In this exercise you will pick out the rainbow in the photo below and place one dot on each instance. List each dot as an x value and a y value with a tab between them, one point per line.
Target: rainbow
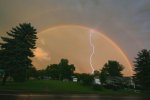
100	34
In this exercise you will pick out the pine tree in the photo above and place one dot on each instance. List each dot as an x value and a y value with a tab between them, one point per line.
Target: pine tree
142	68
16	51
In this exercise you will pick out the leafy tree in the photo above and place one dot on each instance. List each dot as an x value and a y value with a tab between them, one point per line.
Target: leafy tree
142	68
53	71
112	68
60	71
65	70
96	73
103	75
16	51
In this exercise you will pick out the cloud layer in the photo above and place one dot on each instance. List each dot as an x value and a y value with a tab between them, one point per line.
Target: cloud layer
125	21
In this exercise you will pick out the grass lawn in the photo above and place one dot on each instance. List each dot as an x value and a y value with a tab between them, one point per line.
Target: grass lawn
47	86
54	86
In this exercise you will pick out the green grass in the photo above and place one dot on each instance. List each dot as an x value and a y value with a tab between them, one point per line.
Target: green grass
47	86
54	86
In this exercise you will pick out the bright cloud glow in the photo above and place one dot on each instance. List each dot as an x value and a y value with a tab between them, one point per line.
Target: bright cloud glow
40	54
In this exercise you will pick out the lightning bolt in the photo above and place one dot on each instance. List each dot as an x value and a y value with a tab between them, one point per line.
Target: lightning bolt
93	51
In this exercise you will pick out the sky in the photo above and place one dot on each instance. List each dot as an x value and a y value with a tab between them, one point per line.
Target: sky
125	22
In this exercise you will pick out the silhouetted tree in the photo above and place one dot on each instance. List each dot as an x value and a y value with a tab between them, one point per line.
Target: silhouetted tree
60	71
112	68
96	73
65	70
142	68
16	51
53	71
103	75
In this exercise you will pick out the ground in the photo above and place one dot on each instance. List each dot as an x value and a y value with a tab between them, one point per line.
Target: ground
55	86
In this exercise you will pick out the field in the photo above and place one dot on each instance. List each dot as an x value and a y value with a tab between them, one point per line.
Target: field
47	86
54	86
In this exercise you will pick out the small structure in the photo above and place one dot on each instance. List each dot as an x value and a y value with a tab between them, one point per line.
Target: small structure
74	79
97	81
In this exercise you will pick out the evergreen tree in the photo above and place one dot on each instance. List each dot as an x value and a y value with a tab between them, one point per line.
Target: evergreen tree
16	51
142	68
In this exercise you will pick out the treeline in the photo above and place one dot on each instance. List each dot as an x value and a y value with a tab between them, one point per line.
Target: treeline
16	51
54	71
110	75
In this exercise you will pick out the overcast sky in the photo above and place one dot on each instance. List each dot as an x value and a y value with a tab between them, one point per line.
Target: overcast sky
126	22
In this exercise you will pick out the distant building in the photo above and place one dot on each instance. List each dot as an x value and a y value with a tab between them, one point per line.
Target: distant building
97	81
74	79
